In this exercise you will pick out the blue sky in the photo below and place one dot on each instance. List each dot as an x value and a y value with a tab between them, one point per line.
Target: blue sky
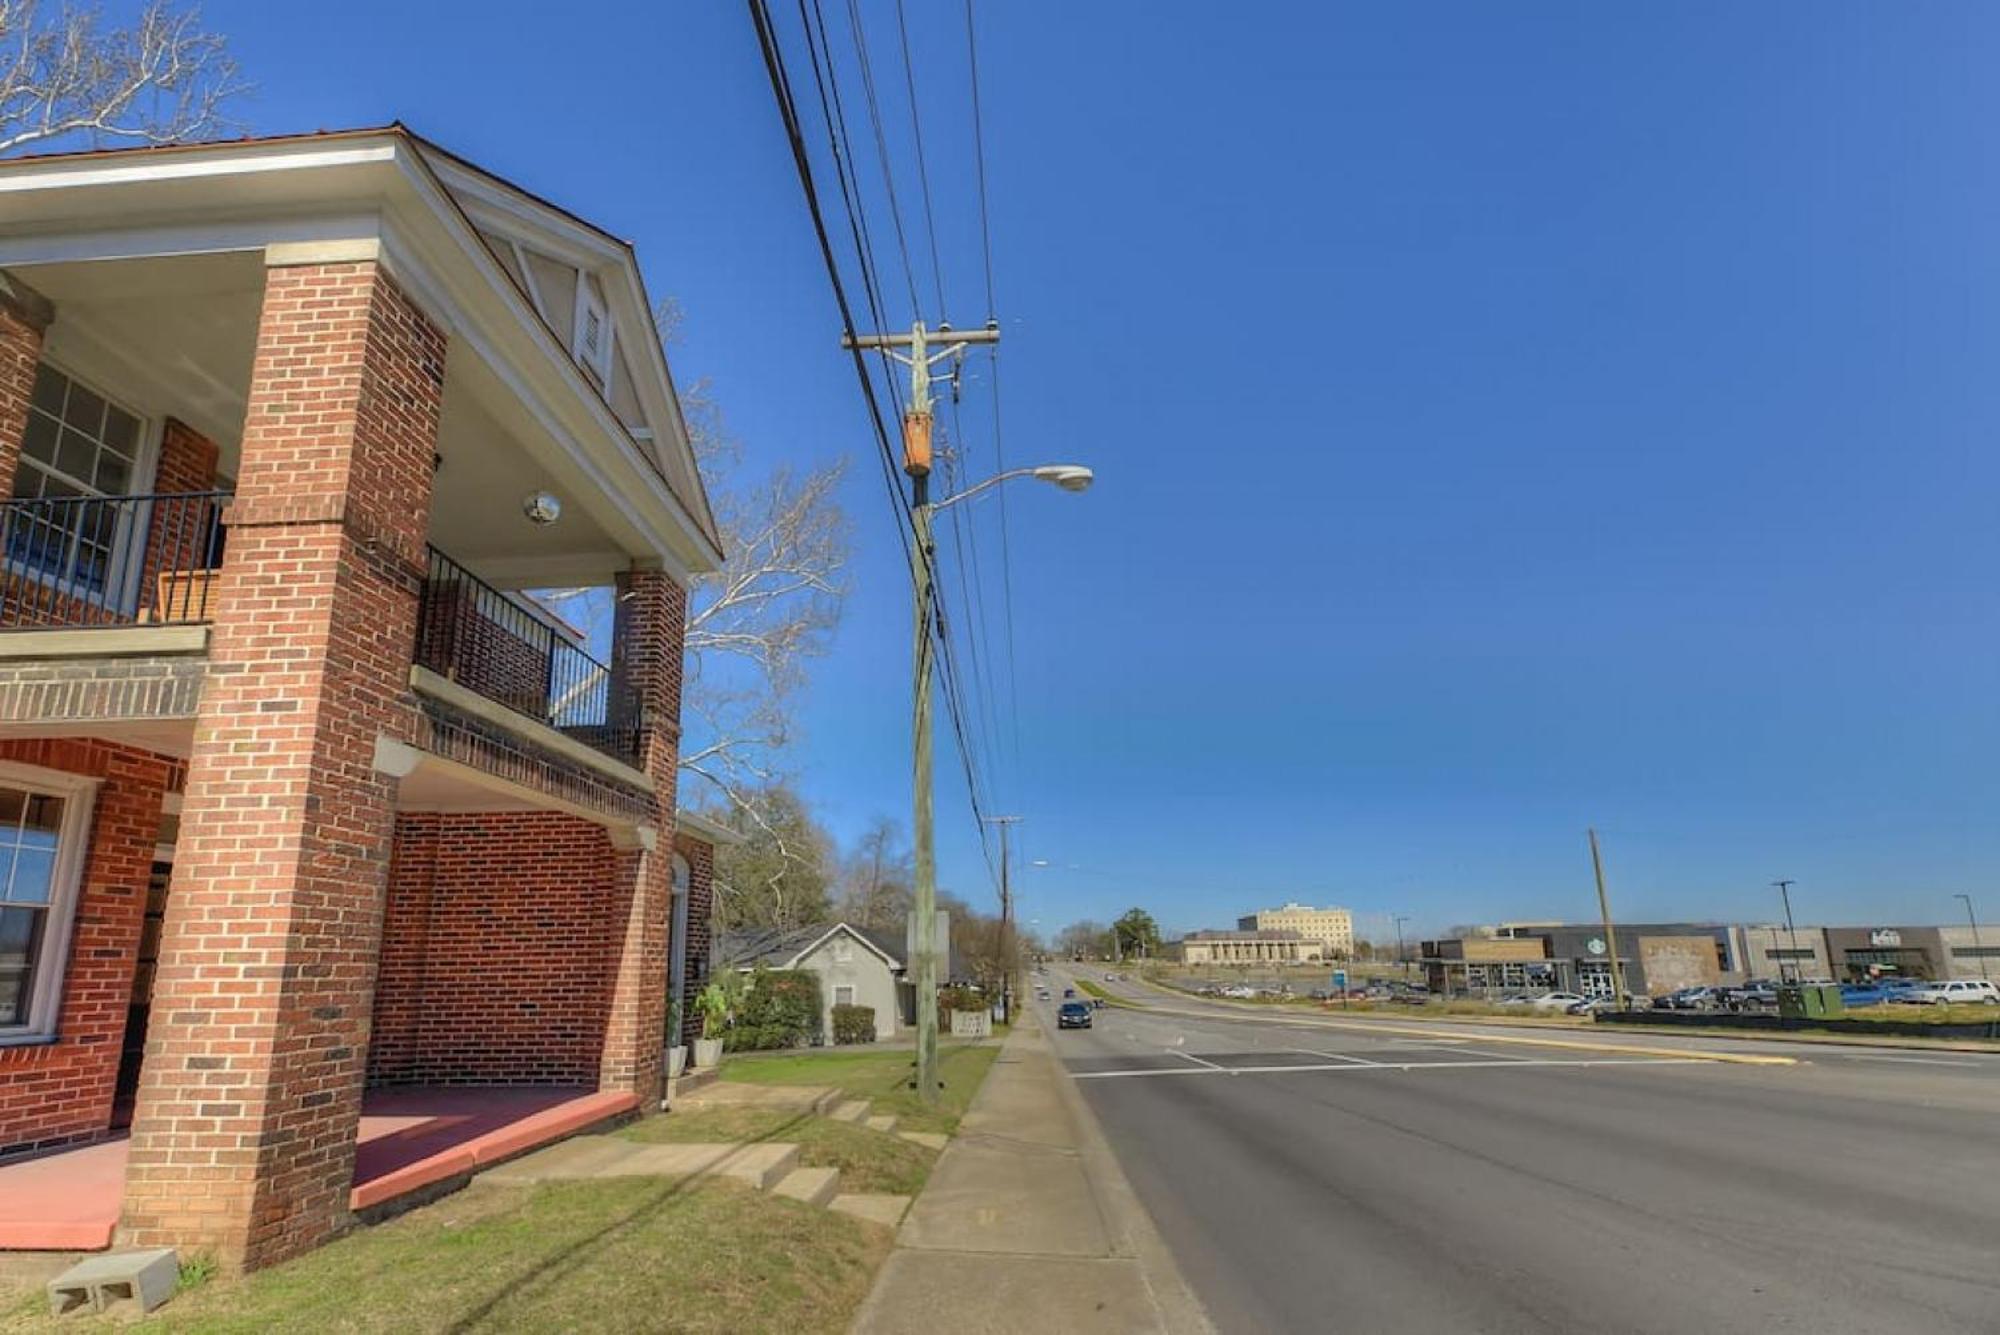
1508	419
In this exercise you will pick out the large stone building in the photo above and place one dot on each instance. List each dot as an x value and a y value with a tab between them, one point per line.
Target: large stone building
1333	929
315	829
1248	947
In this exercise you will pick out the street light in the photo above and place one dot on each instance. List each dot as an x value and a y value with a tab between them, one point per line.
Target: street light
1069	477
1791	928
1401	957
1973	918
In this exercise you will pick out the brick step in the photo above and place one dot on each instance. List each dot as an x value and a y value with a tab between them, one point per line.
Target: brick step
930	1140
852	1110
884	1122
875	1208
813	1186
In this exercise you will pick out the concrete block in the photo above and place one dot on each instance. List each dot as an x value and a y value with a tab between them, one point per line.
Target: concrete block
813	1186
853	1110
930	1140
884	1122
143	1279
760	1165
876	1208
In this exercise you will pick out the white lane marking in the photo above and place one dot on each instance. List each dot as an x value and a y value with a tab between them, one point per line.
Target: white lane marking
1209	1068
1913	1061
1176	1052
1337	1056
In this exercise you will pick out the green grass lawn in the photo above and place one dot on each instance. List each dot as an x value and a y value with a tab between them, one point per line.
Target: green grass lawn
867	1160
617	1254
883	1076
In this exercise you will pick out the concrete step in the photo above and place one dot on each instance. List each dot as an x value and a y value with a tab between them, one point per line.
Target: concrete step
760	1165
875	1208
741	1094
814	1186
852	1110
579	1156
930	1140
882	1122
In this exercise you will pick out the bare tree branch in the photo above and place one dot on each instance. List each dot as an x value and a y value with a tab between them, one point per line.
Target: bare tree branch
162	80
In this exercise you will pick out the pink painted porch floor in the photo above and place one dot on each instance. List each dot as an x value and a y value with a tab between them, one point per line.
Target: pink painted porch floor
409	1138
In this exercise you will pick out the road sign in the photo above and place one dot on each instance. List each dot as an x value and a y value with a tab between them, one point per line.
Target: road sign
1340	980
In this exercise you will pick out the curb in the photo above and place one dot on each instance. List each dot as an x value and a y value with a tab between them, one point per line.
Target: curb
1181	1312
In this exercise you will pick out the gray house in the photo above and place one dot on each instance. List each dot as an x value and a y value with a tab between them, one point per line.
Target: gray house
857	967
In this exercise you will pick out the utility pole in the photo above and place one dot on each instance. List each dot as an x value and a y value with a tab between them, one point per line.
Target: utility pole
1977	949
1006	922
1402	957
1791	928
917	464
1610	933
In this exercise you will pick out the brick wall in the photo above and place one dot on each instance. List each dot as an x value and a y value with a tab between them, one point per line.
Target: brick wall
495	950
24	314
466	639
243	1138
701	926
648	645
61	1092
60	690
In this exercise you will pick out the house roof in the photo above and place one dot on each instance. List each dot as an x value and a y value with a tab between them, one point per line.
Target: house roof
784	947
249	192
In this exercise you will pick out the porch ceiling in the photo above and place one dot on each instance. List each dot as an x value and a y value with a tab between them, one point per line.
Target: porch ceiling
176	336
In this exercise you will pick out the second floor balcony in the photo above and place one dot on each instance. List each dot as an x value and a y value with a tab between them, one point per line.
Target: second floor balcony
107	562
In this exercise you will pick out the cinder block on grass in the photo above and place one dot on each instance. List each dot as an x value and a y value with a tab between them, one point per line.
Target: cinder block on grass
103	1283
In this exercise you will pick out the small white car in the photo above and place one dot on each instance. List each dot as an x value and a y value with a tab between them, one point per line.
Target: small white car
1957	992
1556	1001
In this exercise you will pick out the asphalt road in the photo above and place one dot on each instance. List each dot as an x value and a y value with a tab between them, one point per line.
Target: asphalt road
1339	1179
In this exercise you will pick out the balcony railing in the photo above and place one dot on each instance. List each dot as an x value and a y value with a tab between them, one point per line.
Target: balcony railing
77	561
471	633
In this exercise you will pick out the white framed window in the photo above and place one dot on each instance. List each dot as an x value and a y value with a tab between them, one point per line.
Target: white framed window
44	833
593	332
843	994
79	443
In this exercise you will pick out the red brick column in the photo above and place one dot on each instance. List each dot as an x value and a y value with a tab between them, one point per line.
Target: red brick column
24	315
646	657
243	1143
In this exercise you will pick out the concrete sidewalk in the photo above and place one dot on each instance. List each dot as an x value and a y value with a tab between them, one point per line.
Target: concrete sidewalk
1028	1223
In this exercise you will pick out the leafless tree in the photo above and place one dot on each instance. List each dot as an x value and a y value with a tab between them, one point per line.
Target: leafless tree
754	624
876	880
68	76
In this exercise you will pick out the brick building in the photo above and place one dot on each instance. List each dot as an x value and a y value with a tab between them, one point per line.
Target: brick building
312	823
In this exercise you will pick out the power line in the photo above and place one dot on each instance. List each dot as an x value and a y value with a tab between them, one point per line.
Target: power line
923	171
882	147
781	88
979	154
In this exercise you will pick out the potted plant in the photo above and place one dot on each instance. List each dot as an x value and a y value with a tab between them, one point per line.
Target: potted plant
677	1053
713	1003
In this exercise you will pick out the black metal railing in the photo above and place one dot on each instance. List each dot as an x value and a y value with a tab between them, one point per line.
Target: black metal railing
76	561
471	633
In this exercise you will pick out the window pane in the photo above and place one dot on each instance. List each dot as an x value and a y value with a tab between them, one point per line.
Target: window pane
20	945
76	455
40	442
121	431
34	869
49	386
85	411
113	473
12	802
45	815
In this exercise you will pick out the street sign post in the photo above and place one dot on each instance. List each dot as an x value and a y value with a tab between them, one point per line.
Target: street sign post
1340	986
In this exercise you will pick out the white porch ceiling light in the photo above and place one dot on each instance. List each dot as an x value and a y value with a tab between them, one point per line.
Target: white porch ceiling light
541	508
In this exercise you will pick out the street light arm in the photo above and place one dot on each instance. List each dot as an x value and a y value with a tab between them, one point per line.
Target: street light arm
1070	477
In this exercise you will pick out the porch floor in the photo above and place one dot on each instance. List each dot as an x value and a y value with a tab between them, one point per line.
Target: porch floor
410	1137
